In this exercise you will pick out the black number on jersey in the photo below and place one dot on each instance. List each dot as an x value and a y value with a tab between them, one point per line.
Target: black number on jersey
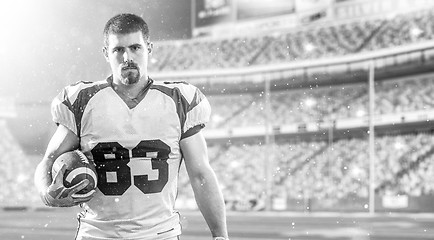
111	159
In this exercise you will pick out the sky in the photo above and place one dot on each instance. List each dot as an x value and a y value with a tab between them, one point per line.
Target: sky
44	42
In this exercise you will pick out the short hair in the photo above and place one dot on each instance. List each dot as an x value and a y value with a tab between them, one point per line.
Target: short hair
125	23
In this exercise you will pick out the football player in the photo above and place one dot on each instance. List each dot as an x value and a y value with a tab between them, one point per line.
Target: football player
136	131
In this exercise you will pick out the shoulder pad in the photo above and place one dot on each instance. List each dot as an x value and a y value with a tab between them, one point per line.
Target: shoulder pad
71	92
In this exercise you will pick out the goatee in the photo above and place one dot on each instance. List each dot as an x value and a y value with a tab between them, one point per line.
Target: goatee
130	76
130	72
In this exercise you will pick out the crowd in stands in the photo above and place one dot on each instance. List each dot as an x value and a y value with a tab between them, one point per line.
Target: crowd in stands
342	169
322	171
321	104
16	172
312	42
316	169
403	29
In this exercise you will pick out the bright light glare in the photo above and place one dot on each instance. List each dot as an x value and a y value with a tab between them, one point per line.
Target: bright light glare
217	118
21	178
399	145
361	113
310	102
309	47
154	60
415	32
17	19
15	15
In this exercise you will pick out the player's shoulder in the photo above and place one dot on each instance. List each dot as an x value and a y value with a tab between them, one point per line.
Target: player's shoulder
173	84
183	87
82	85
83	89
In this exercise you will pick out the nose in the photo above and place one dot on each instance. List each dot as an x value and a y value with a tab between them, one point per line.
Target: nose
126	56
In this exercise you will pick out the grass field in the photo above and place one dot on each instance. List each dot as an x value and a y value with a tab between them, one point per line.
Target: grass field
60	224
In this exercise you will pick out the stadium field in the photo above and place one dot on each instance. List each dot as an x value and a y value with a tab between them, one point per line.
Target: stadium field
60	224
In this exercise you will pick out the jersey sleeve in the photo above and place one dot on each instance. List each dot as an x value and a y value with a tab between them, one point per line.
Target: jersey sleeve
198	113
61	111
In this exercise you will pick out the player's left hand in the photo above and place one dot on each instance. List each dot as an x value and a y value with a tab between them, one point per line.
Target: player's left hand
57	195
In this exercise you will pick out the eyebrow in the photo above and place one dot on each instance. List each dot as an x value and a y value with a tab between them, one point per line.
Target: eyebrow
132	45
136	45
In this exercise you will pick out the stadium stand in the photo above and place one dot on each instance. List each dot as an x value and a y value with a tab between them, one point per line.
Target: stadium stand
326	172
304	43
322	103
321	171
16	172
403	168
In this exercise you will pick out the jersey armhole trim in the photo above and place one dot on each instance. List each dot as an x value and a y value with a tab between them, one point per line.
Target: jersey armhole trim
190	132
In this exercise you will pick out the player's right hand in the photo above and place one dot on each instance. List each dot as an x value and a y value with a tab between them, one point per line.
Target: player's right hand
57	195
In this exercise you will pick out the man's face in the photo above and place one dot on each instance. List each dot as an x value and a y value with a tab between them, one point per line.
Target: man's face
128	56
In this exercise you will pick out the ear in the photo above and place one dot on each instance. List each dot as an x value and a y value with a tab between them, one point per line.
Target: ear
105	53
150	47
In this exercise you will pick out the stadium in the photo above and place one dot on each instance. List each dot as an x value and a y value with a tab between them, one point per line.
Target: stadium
321	124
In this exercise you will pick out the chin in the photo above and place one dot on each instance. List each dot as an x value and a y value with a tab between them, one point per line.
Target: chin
130	81
130	78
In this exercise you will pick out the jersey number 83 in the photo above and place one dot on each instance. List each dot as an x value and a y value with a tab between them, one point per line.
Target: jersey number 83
111	159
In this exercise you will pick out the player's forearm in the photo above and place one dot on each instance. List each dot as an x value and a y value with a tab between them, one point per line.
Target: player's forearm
62	141
211	204
42	176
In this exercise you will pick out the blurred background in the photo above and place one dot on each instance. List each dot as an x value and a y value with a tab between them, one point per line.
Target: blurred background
317	105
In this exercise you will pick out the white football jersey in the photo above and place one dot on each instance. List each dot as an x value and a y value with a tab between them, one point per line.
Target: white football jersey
136	152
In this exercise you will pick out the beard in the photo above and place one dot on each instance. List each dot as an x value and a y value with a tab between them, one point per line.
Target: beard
130	76
130	73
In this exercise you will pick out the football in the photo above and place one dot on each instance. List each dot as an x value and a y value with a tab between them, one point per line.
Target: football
78	168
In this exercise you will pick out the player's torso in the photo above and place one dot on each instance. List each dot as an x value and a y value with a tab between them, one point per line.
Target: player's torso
137	155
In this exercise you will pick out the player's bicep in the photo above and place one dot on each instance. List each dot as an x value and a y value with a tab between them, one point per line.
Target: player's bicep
195	155
63	140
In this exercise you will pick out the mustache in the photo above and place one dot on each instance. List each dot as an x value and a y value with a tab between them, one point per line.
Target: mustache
129	65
